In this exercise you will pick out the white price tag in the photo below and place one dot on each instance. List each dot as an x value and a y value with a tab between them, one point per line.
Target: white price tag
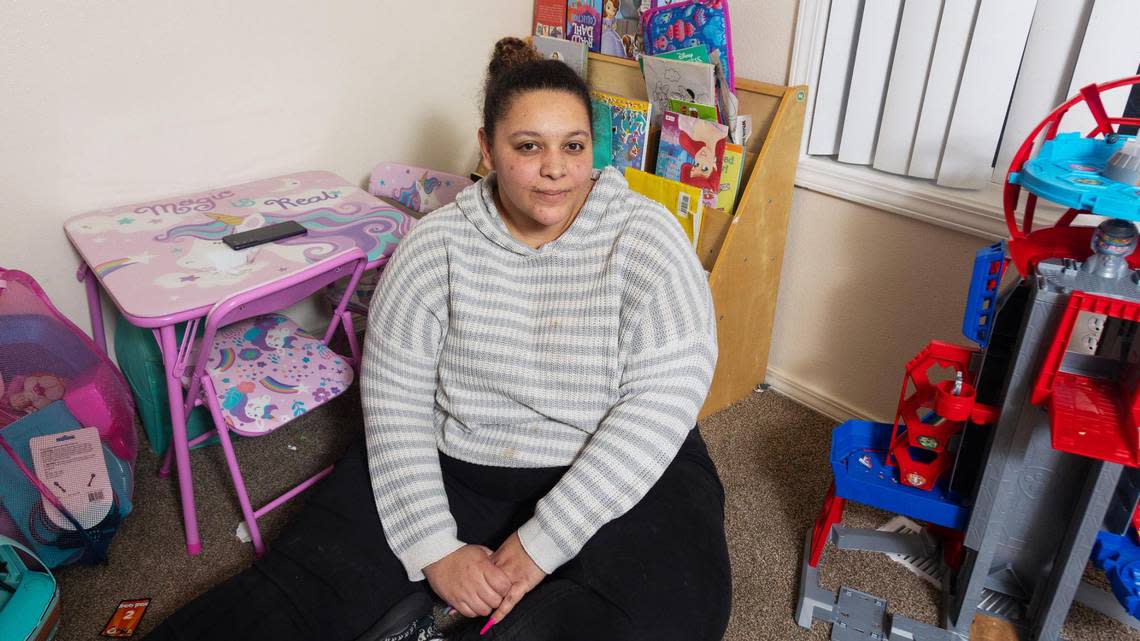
71	465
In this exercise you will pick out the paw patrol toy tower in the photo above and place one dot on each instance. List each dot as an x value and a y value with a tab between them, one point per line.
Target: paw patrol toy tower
1023	462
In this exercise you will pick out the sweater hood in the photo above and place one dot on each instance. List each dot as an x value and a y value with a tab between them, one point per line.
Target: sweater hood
477	203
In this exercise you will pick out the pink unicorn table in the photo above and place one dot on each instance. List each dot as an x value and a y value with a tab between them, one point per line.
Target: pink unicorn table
163	263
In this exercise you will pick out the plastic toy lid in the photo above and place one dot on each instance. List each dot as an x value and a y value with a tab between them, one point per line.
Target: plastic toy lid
1068	169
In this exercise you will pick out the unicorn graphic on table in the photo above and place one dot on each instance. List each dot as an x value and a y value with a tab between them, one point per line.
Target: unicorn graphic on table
208	262
328	230
212	254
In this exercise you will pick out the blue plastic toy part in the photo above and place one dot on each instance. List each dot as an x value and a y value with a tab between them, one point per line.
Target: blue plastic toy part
1067	171
981	300
1119	557
858	461
29	598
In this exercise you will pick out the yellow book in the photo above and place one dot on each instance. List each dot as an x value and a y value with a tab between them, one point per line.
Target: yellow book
731	173
683	201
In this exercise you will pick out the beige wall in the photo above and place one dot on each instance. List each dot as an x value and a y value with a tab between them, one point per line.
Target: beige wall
110	103
862	289
762	33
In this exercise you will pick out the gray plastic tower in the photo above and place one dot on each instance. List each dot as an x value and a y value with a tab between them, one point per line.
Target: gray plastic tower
1036	510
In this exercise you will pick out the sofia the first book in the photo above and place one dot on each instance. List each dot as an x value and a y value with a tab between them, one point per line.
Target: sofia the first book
621	28
692	152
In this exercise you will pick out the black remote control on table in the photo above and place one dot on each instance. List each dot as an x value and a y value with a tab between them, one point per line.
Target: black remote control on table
267	234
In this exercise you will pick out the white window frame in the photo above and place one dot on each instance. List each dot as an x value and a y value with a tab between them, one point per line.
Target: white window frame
977	212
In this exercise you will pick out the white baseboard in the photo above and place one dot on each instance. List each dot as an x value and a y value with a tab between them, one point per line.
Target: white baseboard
812	398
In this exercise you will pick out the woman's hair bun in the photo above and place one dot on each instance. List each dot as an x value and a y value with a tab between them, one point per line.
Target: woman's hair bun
510	52
516	67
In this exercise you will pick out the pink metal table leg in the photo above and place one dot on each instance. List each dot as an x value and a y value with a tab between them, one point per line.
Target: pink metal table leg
169	344
94	308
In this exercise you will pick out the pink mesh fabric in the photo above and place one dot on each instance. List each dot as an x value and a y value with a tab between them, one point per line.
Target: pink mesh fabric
45	358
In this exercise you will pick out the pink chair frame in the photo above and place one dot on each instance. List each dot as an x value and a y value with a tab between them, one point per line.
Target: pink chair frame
264	299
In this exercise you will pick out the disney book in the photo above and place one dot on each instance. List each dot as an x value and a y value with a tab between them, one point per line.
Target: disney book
621	28
692	152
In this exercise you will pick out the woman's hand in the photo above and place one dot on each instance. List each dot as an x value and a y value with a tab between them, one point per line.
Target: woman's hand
523	572
469	581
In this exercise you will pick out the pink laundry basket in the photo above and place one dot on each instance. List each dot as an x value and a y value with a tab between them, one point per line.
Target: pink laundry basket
53	378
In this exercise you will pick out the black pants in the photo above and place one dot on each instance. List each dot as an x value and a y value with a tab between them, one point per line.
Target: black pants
659	572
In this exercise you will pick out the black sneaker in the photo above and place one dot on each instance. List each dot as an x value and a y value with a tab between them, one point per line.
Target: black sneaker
422	630
427	631
393	626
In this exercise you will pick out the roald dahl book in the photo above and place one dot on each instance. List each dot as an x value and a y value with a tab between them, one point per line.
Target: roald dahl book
584	22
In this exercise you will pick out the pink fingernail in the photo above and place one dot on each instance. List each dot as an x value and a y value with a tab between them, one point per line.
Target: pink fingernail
487	626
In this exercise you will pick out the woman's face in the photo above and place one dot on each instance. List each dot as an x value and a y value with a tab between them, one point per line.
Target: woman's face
543	157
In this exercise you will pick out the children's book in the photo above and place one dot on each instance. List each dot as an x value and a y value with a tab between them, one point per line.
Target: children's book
549	18
584	22
629	129
683	201
572	53
696	53
692	151
621	28
696	110
689	81
603	133
731	175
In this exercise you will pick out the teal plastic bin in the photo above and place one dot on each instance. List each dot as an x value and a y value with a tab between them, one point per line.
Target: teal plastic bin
141	364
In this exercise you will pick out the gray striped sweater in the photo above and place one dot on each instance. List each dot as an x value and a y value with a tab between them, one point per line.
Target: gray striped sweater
594	351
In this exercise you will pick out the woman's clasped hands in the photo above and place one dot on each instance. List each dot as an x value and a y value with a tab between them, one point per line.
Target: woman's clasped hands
478	582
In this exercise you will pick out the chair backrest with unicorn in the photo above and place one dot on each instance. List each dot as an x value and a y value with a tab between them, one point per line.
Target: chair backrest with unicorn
419	189
414	190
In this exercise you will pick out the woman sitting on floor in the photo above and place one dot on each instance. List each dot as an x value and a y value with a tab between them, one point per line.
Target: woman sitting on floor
536	358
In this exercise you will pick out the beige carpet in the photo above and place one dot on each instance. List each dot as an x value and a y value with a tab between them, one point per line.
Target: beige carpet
771	453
